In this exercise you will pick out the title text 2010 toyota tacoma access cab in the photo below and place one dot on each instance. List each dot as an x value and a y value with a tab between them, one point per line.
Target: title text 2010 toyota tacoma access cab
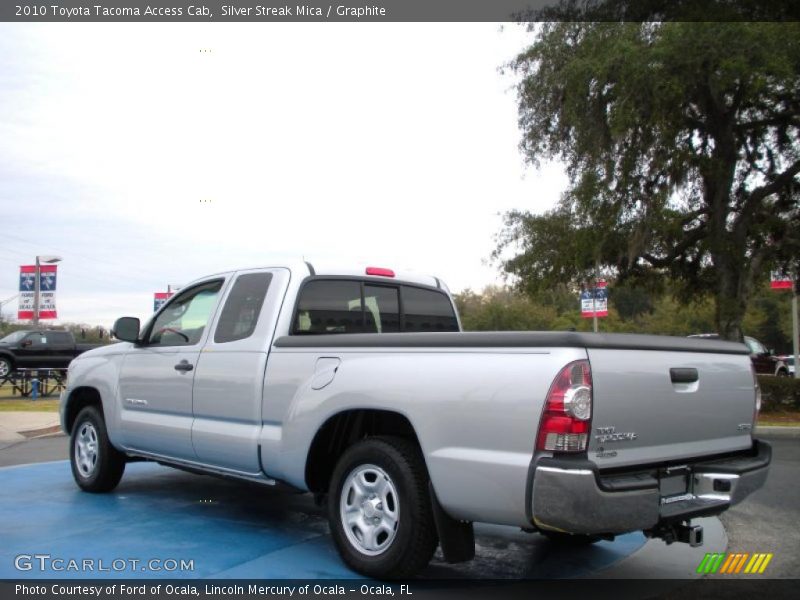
358	386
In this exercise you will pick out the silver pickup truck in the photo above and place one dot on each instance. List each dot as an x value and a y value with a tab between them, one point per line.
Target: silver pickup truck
359	387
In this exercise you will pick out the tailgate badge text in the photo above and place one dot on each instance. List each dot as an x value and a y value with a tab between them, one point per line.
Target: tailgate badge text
609	434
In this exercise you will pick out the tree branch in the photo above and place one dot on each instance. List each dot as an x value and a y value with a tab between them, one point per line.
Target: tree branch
758	194
790	118
690	239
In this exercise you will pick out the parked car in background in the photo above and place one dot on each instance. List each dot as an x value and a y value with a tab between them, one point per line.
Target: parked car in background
39	349
764	360
789	361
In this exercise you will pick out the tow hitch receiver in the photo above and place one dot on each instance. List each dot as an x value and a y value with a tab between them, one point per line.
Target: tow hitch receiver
685	533
690	534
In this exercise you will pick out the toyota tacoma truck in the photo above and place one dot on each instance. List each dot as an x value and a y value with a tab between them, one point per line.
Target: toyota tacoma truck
357	386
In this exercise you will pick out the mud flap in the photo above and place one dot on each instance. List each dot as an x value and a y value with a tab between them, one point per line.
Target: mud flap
456	538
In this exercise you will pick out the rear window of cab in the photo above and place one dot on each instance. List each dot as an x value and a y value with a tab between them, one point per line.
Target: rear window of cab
327	306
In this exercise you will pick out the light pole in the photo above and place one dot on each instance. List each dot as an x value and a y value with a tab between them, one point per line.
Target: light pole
47	259
4	302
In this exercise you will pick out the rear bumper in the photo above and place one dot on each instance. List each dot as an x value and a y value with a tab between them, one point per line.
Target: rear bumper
572	496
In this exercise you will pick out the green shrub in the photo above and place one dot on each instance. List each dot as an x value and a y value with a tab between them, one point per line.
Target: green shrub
779	392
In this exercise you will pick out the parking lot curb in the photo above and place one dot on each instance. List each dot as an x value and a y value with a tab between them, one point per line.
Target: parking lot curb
51	431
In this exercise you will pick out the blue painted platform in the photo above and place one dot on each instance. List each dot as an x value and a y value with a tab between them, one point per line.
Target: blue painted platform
228	529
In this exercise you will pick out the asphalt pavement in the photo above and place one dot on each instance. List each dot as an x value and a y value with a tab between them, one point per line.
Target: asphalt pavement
34	451
767	521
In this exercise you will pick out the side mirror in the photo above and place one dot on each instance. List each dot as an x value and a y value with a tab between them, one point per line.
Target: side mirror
26	343
126	329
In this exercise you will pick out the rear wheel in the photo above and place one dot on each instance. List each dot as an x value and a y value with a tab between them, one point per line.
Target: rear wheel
96	465
380	509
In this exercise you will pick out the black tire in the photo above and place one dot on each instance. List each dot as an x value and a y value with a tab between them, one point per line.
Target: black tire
567	539
102	472
414	540
6	366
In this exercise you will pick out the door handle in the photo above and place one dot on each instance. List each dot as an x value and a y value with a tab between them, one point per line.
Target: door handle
184	366
683	375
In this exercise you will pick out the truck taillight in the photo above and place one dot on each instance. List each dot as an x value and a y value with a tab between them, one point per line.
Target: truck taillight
566	420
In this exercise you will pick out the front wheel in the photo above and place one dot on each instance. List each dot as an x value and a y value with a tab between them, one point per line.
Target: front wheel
96	465
380	509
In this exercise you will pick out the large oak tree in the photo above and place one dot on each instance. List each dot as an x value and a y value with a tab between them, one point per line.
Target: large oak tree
682	145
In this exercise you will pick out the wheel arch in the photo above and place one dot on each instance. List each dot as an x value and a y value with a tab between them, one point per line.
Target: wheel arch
342	430
78	399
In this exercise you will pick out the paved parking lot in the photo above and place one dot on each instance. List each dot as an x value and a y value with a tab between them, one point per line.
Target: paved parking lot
163	513
227	529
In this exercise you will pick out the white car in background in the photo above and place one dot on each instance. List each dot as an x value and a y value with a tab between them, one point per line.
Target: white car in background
789	362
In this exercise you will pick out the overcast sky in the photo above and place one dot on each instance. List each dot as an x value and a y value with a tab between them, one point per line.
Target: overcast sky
384	144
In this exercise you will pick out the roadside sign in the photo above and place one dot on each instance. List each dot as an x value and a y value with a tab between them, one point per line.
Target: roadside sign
780	281
594	300
47	291
160	298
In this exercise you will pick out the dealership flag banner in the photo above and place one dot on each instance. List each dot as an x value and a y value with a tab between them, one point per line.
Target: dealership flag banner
159	298
780	281
595	299
47	291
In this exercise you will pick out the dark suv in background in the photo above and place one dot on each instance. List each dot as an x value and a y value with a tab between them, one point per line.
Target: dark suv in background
764	360
39	349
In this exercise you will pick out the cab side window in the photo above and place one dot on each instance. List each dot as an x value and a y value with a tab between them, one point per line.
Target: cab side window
240	314
34	340
184	319
427	310
755	346
60	338
329	306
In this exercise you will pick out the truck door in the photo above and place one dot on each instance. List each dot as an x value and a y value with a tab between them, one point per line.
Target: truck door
156	379
32	350
230	375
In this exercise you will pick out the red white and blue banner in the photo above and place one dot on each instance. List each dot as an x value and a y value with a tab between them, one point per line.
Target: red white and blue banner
594	301
47	291
160	298
780	281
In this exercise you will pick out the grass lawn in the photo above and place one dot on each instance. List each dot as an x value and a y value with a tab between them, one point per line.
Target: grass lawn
785	417
15	402
27	405
7	393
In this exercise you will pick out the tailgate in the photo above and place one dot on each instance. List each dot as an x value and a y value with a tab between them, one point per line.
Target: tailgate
648	410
